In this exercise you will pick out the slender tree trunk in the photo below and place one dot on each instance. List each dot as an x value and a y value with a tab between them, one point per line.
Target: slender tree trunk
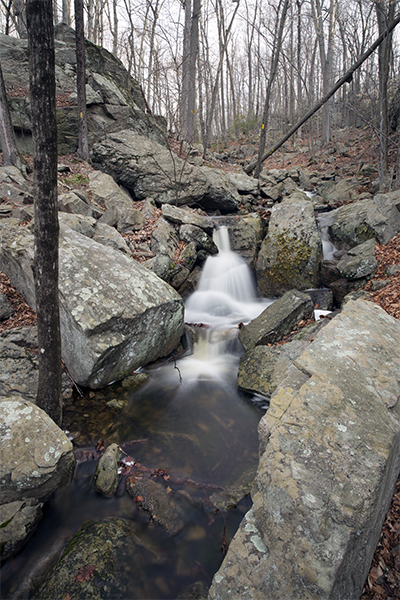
189	61
7	137
274	68
43	110
66	12
20	17
83	149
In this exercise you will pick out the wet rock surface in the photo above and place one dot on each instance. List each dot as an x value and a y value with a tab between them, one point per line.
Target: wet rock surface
328	467
17	521
105	479
97	564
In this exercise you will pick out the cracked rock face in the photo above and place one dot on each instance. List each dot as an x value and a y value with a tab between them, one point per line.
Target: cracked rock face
36	456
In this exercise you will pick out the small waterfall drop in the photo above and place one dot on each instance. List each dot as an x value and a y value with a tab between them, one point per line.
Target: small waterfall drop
328	248
226	296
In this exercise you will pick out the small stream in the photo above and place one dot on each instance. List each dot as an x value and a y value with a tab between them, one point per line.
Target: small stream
189	419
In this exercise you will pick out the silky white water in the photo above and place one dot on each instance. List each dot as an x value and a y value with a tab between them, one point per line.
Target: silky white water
226	296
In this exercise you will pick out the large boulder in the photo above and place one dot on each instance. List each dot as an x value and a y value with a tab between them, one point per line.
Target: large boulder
330	459
291	252
377	217
36	456
149	169
115	101
17	521
115	314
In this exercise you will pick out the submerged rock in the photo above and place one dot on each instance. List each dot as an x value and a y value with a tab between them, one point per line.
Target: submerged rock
162	507
104	560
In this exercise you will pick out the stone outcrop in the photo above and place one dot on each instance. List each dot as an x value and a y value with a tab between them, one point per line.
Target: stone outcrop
115	314
114	100
329	461
32	465
148	169
277	320
291	252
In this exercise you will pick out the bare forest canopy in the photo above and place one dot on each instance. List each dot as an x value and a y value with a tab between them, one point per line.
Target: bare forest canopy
221	69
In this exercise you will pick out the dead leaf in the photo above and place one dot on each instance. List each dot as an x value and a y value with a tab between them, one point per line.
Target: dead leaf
85	574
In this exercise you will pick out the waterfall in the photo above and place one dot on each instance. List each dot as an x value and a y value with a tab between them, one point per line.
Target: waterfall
226	294
324	222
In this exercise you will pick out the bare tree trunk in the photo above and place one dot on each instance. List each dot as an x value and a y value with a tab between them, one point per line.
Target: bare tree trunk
7	137
384	17
43	109
66	12
83	149
274	68
189	60
347	78
326	55
20	17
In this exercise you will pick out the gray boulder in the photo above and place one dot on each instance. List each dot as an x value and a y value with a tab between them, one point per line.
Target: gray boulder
115	100
115	314
97	230
191	233
277	320
243	183
164	239
13	184
330	458
185	216
377	217
36	456
106	192
149	169
291	252
18	368
72	203
17	521
246	233
105	479
359	262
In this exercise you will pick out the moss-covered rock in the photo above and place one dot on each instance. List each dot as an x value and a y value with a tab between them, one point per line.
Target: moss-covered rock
291	252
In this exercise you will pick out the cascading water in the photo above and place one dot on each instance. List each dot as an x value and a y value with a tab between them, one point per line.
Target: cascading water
328	248
226	296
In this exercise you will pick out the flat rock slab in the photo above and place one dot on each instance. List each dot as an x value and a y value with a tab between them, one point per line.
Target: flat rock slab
277	320
36	456
329	464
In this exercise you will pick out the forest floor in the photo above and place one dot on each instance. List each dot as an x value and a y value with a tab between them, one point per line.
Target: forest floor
355	150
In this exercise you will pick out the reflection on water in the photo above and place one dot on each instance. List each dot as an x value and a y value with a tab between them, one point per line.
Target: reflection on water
190	419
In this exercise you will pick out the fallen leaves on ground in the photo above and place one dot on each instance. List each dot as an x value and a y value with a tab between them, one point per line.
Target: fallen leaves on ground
23	315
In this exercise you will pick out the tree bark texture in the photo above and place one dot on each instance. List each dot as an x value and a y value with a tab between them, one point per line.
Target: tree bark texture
83	148
189	61
44	129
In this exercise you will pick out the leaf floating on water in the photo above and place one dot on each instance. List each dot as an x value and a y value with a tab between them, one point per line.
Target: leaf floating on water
85	574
